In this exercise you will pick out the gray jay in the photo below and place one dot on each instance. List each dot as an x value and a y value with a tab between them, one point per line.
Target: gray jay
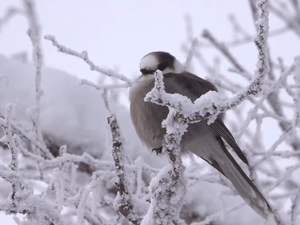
205	141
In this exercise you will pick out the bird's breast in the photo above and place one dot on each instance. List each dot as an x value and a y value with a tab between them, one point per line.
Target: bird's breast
146	116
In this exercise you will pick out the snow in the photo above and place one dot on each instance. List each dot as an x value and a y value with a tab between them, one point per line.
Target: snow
64	105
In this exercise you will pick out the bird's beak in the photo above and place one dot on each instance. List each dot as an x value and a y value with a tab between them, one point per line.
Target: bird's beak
147	72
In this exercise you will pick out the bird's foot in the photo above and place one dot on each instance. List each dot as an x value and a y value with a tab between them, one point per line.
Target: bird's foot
157	150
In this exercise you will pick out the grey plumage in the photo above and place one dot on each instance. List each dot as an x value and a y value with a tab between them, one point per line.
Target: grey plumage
206	141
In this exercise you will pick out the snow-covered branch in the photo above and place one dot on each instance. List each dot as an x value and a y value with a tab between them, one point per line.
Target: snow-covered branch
103	87
168	188
125	203
263	66
84	56
34	35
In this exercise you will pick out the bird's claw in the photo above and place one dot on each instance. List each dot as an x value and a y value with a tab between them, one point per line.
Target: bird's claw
157	150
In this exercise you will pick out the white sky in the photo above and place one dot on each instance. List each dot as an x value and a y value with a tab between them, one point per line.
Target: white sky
117	34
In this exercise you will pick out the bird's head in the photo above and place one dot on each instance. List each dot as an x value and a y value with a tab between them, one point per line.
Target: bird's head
162	61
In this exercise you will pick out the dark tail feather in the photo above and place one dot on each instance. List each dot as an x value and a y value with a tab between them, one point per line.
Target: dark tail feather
244	186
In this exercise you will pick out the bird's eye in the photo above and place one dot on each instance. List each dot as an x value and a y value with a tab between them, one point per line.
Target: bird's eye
162	66
145	71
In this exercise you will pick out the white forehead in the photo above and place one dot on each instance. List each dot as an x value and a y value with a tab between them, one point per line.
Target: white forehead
149	61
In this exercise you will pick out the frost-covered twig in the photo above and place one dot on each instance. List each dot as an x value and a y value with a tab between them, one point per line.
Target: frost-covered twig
34	34
295	208
296	95
253	8
222	48
291	22
260	15
22	199
238	28
125	204
16	128
8	139
191	53
103	87
275	86
84	56
263	64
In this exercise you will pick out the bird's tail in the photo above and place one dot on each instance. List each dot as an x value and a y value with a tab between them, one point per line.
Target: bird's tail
244	186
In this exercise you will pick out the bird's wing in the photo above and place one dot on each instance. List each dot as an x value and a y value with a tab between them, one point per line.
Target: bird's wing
187	84
190	85
222	130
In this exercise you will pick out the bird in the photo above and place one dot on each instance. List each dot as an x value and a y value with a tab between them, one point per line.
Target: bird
203	140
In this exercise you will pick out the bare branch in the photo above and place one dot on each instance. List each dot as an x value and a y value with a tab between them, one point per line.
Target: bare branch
295	208
191	53
224	50
292	23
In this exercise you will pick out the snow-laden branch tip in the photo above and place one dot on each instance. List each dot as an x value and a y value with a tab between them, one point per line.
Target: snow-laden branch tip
84	56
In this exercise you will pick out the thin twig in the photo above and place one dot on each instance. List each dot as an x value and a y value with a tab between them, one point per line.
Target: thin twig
84	56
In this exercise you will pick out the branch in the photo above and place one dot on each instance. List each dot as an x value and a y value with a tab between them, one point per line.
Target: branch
34	34
168	188
224	50
263	64
84	56
125	204
291	22
295	207
191	53
14	164
103	87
